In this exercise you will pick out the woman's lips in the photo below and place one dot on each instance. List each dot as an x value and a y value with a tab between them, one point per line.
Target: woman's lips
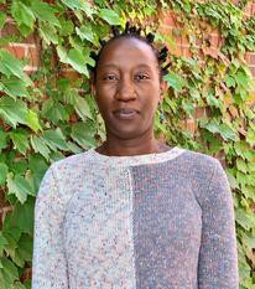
125	113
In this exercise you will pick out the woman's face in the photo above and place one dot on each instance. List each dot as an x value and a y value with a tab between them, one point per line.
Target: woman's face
127	87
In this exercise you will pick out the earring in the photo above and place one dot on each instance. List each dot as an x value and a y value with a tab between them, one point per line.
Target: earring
162	116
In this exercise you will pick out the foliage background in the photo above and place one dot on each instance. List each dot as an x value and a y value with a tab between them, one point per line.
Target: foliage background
49	114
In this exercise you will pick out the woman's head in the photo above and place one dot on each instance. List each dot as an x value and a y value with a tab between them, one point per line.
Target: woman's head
127	84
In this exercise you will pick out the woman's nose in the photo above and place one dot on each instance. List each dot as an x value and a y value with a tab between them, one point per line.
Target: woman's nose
126	91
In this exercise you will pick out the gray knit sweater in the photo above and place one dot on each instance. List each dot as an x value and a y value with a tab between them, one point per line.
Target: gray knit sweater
155	221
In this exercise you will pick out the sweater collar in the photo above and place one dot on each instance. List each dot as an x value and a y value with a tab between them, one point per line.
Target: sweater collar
135	159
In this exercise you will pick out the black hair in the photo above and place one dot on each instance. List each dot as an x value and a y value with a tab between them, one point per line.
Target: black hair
132	32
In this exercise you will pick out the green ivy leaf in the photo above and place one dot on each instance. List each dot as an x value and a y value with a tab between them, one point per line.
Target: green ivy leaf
13	111
3	243
23	16
188	106
82	108
55	139
249	192
242	149
83	134
230	81
67	27
2	19
242	166
12	66
3	173
8	274
48	33
23	216
75	58
14	87
110	16
223	129
227	132
245	219
32	121
175	81
79	5
249	239
85	33
19	186
242	78
212	100
37	167
45	12
39	145
3	139
20	140
54	111
250	137
18	285
23	253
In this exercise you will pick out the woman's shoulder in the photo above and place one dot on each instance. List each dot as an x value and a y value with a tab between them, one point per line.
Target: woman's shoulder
200	164
71	166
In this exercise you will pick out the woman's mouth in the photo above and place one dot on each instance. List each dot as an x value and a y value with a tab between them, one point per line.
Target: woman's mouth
125	113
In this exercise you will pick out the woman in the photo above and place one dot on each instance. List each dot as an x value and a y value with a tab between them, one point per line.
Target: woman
134	213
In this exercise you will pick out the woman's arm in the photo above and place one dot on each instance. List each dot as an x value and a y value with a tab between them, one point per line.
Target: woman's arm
218	264
49	269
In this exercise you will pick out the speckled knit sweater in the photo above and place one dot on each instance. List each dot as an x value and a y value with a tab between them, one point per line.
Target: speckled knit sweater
155	221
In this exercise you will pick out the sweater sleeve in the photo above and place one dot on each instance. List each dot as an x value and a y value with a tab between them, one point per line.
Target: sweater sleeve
218	262
49	269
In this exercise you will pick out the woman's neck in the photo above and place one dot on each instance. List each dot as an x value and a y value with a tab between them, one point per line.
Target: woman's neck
130	148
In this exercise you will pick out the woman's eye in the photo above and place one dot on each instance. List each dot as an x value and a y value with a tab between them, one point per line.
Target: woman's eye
141	77
110	77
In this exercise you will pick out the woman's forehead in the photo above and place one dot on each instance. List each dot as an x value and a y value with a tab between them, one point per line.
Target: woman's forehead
126	50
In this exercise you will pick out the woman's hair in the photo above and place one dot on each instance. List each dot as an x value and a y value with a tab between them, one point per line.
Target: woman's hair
132	32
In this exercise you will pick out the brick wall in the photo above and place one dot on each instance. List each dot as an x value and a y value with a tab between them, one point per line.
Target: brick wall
170	27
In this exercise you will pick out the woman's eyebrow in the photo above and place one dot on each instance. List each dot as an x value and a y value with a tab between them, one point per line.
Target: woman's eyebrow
143	65
112	65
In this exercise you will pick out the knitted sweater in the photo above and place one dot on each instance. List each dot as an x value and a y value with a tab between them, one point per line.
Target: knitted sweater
155	221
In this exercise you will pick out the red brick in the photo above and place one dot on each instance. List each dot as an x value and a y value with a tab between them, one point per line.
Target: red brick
17	50
165	30
213	52
30	69
214	39
198	42
247	57
169	18
191	126
185	40
32	38
9	29
177	50
186	52
253	71
252	59
33	55
176	35
188	124
252	12
248	9
199	112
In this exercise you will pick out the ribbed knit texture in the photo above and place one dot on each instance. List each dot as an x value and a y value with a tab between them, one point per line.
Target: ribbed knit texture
156	221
